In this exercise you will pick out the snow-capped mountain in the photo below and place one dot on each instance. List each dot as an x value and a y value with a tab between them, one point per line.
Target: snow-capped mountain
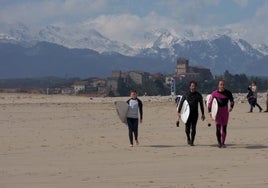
218	51
6	37
79	38
263	48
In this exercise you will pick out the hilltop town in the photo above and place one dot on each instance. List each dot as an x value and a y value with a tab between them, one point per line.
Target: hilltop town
120	82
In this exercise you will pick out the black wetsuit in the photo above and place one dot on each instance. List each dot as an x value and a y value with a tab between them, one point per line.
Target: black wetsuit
193	99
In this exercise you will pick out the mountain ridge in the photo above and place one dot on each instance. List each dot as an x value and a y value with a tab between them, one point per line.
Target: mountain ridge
163	48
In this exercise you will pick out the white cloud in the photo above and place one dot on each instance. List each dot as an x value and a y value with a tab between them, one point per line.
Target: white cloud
241	3
255	29
126	26
188	11
258	26
39	12
47	11
129	28
262	12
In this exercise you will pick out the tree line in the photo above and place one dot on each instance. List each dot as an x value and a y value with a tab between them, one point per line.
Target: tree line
237	83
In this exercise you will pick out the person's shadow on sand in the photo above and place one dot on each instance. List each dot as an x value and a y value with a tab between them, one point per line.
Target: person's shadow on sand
231	146
161	146
246	146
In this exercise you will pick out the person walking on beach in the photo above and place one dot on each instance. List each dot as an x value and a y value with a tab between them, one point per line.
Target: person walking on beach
252	97
134	114
223	96
266	102
193	97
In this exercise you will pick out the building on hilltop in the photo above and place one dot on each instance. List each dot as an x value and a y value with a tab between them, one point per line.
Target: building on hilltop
139	77
183	70
116	74
79	86
121	79
112	86
96	86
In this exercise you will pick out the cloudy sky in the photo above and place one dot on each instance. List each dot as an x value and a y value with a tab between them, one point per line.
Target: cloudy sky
129	19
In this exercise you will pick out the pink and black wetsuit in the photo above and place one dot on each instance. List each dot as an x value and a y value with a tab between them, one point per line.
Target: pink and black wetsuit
222	117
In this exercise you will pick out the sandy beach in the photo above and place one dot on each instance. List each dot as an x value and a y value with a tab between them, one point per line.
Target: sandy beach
56	141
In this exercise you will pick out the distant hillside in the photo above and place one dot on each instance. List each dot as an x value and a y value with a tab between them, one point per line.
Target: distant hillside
24	60
40	82
47	59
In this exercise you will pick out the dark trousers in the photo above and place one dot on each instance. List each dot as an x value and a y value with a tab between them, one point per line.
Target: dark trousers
253	102
190	128
251	107
221	132
132	128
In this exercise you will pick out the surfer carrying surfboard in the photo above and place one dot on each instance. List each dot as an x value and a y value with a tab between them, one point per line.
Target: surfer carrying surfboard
193	97
223	96
135	112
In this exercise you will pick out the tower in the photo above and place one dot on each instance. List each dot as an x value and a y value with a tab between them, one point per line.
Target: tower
182	66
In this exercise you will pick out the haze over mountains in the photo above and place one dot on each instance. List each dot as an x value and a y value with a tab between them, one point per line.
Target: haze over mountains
85	52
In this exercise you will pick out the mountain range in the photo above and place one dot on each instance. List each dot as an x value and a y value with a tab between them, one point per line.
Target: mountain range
80	52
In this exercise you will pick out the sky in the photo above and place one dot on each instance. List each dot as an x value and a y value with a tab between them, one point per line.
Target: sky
130	19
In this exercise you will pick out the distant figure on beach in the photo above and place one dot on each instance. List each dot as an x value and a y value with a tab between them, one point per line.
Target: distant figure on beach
193	97
252	97
266	102
134	114
223	96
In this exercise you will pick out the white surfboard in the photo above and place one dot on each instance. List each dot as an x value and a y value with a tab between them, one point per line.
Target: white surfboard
209	121
122	109
207	99
185	111
214	108
179	97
